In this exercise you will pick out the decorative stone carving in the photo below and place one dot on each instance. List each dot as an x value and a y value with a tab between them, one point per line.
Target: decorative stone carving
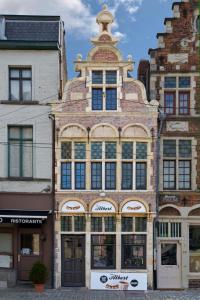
73	131
131	96
135	131
177	126
104	55
178	57
103	131
79	57
76	96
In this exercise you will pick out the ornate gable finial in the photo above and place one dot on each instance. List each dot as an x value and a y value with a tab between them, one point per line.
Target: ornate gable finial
104	20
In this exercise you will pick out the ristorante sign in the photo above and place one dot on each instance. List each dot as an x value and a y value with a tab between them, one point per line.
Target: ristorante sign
21	220
119	281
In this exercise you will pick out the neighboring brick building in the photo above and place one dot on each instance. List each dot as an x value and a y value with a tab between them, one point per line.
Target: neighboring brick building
32	75
105	172
174	82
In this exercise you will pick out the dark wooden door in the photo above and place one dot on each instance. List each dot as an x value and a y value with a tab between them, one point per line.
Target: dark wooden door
73	260
29	251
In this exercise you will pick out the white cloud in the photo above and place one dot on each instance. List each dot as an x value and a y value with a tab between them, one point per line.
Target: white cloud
131	6
76	15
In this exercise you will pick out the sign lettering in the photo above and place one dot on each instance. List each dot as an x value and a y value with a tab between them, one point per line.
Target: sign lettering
119	281
170	198
21	220
103	206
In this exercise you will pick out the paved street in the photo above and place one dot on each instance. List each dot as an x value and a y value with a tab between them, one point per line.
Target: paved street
83	294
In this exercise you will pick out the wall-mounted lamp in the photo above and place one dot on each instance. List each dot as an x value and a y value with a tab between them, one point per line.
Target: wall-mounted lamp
119	131
88	134
152	132
57	134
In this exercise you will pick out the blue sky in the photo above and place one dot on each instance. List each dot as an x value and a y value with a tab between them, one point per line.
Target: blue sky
137	23
140	31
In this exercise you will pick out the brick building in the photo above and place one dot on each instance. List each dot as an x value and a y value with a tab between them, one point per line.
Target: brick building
105	172
174	82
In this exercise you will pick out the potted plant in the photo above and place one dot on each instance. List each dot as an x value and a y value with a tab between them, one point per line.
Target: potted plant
38	275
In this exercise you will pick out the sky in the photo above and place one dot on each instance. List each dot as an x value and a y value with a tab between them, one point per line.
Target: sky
136	23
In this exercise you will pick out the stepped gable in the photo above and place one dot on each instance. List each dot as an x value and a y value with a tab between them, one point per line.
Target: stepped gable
178	46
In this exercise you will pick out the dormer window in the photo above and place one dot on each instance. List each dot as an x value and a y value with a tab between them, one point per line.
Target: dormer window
97	77
111	77
104	90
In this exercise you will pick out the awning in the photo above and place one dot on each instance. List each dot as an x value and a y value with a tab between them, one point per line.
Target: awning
23	216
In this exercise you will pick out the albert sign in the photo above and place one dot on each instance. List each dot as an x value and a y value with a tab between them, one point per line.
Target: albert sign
119	281
103	207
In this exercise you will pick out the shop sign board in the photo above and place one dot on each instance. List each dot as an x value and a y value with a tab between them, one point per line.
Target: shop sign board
134	207
72	206
103	207
21	220
119	281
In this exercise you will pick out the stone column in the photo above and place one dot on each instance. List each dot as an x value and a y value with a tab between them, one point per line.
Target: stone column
57	251
87	251
149	249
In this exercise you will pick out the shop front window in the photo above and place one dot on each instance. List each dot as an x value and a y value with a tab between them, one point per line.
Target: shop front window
6	250
194	247
134	251
103	251
30	244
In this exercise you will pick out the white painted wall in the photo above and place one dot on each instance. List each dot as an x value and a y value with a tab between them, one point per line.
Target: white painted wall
37	116
45	84
45	72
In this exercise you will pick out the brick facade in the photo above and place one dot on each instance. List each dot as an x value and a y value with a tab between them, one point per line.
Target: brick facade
135	118
177	56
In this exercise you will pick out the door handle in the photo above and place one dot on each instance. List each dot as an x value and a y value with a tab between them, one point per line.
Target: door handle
18	257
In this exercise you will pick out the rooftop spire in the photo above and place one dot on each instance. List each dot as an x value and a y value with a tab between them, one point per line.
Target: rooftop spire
104	20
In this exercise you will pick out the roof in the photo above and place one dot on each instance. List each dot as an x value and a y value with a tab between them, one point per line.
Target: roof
29	29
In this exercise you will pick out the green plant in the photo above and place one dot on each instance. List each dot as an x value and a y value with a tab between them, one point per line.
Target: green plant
38	273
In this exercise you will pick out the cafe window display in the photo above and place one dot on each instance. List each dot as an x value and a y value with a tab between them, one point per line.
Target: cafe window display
133	251
103	249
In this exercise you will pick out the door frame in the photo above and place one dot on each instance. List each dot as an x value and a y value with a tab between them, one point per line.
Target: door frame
179	260
84	252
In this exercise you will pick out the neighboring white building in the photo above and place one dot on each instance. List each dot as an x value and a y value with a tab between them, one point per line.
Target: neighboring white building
32	74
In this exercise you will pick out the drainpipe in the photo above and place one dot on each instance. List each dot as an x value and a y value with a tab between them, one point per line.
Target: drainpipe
52	117
161	118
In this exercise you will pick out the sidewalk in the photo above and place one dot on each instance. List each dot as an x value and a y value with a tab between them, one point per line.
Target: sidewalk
84	294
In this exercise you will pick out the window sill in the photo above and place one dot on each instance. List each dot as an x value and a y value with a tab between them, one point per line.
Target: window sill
102	269
177	191
140	270
16	102
106	191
